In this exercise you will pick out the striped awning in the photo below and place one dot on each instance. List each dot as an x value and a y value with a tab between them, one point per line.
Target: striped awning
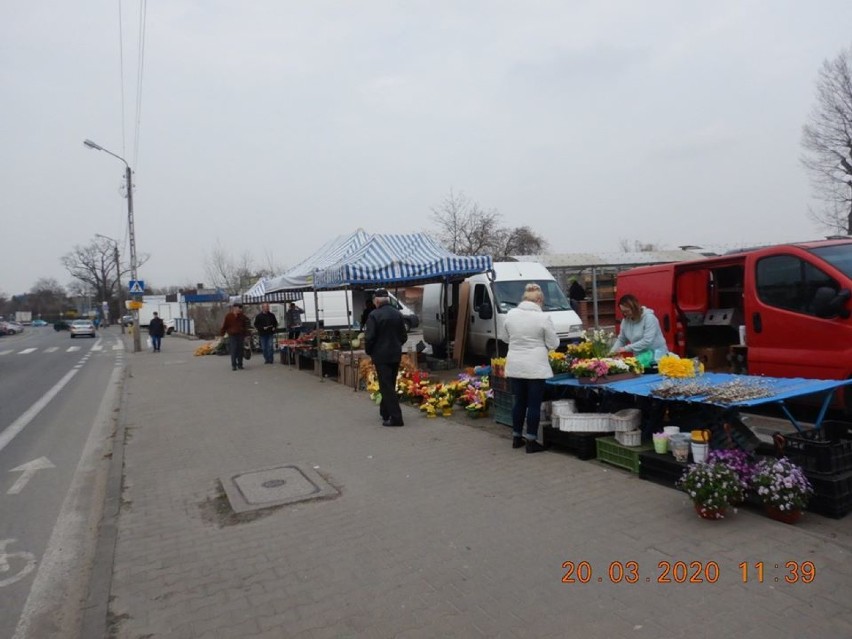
396	259
301	276
259	293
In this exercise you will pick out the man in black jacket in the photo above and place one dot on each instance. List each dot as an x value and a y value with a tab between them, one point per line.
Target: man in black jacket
266	323
385	336
156	329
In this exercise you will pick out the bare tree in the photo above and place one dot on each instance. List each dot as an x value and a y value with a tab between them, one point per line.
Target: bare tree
827	141
229	273
635	246
465	228
47	298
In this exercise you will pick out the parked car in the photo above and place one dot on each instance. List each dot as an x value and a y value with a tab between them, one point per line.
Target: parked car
12	328
39	322
82	327
127	320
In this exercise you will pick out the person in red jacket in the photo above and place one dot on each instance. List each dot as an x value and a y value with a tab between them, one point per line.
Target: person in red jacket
235	327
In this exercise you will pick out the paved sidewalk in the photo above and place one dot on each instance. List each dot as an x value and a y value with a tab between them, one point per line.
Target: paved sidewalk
440	529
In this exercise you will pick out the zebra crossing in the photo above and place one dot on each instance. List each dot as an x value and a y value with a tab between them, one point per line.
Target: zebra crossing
53	349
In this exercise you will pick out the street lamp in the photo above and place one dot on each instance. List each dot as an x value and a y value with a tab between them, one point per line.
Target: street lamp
137	343
117	278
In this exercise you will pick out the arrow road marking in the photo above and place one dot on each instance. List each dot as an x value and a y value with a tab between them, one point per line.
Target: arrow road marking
29	469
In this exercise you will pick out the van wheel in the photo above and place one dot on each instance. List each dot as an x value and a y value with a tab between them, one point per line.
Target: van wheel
407	323
170	331
439	351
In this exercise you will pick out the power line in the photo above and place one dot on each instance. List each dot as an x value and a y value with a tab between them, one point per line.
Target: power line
143	13
121	69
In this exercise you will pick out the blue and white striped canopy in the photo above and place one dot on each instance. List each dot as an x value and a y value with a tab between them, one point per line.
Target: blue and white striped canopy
390	259
301	276
260	293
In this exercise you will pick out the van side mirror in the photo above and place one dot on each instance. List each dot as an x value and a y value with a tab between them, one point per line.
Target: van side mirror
828	303
485	311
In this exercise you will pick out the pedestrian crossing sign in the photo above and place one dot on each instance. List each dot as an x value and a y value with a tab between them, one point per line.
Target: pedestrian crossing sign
137	286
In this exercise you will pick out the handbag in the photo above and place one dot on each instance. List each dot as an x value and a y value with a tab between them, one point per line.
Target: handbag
246	352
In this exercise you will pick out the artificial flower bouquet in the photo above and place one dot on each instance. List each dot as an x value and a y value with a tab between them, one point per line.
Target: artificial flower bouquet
559	362
673	366
598	367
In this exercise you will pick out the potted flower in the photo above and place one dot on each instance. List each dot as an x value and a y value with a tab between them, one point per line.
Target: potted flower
782	487
712	487
738	461
605	369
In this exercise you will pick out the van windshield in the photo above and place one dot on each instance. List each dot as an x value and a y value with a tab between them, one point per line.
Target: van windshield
510	294
839	256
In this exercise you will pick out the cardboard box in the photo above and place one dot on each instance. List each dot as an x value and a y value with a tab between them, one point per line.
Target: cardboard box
714	358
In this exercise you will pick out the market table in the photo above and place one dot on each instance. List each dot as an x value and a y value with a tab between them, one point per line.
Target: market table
781	388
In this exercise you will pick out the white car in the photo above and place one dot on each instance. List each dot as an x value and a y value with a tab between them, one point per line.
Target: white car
82	327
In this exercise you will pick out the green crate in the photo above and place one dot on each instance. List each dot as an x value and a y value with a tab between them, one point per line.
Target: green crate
503	415
503	400
627	457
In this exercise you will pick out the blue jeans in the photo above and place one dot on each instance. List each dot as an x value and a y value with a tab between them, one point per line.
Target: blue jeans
266	347
528	396
156	340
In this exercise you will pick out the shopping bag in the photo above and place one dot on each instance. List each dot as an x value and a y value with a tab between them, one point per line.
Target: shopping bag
150	344
247	352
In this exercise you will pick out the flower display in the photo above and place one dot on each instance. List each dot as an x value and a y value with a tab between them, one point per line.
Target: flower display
595	344
598	367
559	362
674	366
738	461
782	484
498	366
713	487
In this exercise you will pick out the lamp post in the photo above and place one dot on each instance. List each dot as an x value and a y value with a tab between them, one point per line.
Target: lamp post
117	278
137	343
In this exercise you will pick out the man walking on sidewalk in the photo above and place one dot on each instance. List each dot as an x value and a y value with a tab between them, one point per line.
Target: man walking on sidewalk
235	327
156	329
385	336
265	323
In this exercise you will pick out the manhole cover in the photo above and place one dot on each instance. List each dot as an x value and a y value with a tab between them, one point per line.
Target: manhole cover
275	486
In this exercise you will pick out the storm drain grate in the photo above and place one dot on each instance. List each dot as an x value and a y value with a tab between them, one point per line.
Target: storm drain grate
265	487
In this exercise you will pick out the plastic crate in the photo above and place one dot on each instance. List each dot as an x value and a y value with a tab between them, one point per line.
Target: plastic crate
660	468
611	452
630	438
503	400
502	415
500	384
583	445
827	450
832	494
624	420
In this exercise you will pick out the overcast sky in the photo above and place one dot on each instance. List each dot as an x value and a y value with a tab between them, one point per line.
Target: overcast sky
270	126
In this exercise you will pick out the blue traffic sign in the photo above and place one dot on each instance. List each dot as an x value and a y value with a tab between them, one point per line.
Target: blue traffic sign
137	286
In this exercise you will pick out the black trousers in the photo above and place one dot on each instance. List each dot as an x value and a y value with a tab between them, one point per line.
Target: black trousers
235	348
389	407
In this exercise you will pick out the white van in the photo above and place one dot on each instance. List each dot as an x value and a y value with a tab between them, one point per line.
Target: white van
332	305
510	278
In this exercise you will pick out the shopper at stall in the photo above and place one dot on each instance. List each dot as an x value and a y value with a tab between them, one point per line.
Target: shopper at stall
640	334
369	307
385	335
293	317
266	323
236	327
531	336
576	294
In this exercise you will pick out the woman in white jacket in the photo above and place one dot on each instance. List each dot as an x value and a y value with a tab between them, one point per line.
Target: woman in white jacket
531	336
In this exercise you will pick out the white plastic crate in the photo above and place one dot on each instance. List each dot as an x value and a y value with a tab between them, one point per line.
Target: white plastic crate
563	407
626	419
629	437
584	422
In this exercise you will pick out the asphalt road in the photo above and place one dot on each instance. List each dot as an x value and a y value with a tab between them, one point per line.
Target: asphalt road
58	398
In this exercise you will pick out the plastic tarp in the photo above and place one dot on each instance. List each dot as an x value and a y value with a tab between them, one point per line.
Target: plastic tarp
301	276
399	259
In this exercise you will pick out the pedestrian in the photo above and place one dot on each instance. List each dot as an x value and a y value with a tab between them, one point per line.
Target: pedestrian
369	307
293	318
156	329
576	294
531	336
639	335
236	327
384	336
266	324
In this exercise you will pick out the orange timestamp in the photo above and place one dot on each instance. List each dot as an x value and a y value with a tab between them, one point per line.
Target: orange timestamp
683	572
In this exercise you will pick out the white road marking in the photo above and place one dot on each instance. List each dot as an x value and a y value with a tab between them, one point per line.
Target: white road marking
71	349
19	424
6	352
29	469
65	566
97	347
27	350
51	349
118	347
5	566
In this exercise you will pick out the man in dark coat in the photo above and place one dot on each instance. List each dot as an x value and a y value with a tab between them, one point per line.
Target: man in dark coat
385	335
236	326
576	294
266	323
156	329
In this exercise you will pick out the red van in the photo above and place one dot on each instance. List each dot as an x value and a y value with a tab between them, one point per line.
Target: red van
781	311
